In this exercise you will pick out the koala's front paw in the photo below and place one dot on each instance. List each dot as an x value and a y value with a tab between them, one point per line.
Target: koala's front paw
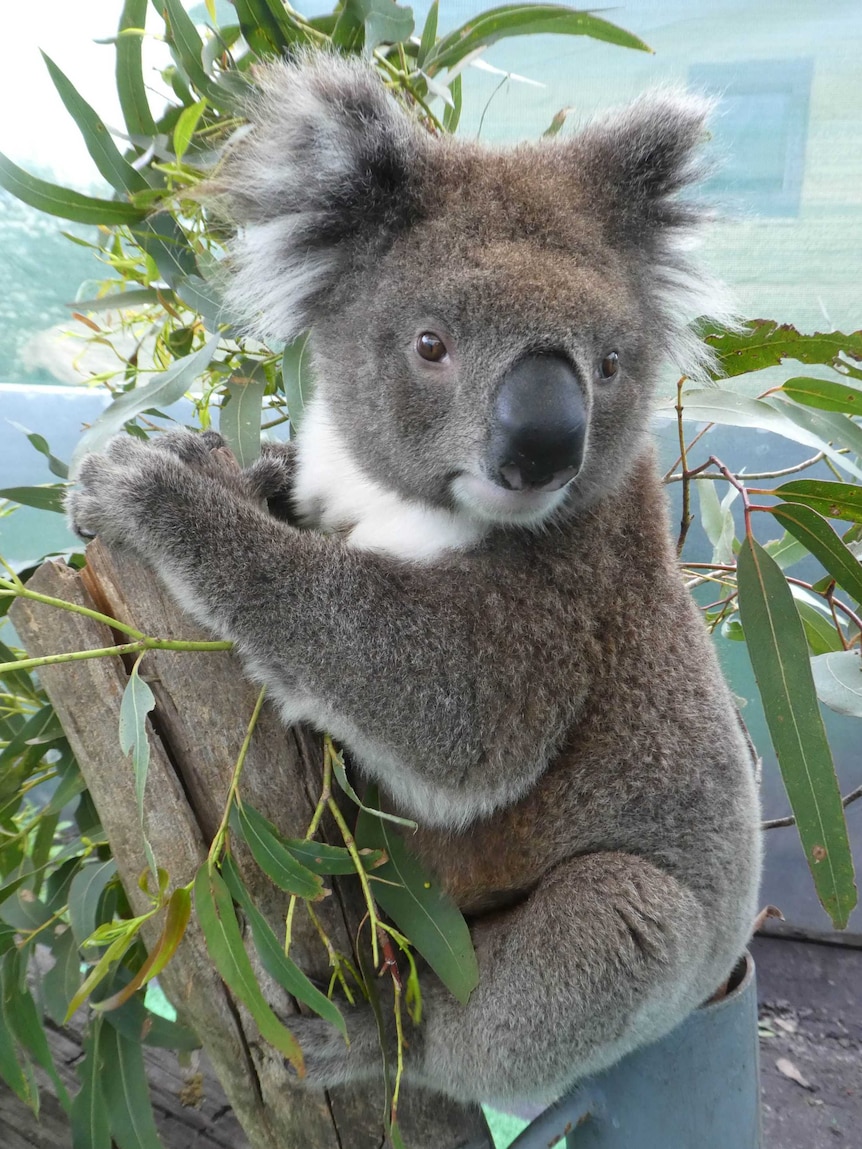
329	1061
124	495
205	451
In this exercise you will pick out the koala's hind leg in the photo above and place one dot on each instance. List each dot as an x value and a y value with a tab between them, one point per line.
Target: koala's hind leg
607	953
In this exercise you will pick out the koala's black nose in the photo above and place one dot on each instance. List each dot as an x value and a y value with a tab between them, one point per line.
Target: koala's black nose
539	427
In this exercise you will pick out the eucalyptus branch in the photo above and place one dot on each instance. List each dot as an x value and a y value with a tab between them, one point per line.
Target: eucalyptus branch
218	839
143	644
717	476
17	589
778	823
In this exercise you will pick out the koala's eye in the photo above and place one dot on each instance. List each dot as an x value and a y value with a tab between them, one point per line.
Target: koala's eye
609	365
431	347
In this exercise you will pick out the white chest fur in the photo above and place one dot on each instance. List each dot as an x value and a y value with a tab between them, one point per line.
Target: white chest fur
333	494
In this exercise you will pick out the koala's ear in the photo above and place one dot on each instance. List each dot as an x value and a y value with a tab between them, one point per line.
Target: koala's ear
326	174
632	167
638	160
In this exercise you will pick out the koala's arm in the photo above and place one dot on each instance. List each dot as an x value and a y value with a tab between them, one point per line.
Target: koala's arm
386	655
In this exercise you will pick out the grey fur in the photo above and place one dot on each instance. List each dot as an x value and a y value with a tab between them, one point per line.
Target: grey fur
524	673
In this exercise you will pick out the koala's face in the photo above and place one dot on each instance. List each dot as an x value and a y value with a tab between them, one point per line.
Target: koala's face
506	378
487	326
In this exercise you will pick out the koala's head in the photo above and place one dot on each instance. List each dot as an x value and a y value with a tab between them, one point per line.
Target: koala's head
487	324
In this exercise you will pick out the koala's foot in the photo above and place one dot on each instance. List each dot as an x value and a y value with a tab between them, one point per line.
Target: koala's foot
207	451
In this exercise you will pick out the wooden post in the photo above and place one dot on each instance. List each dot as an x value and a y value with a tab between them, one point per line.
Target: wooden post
203	705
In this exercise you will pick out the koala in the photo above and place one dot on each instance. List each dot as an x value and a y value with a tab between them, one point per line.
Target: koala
462	567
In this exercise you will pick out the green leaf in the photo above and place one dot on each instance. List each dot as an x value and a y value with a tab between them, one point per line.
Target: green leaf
139	1024
272	956
779	656
273	857
61	982
160	391
420	908
186	127
731	410
429	34
838	681
47	498
186	42
18	1077
103	151
90	1126
820	632
138	700
127	1095
40	443
224	942
240	416
321	858
129	76
63	202
717	519
385	22
85	893
824	394
344	782
524	20
834	500
25	1021
556	123
177	916
814	531
832	426
164	240
297	380
123	300
764	343
452	114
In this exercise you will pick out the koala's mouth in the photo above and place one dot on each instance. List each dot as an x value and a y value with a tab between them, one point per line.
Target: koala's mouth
489	501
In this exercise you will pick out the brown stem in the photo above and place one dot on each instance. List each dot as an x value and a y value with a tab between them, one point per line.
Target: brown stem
777	823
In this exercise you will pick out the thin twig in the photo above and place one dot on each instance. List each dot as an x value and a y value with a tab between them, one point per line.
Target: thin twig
718	476
140	646
777	823
218	839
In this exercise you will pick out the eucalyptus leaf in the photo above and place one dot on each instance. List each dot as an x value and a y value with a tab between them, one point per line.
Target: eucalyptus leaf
85	893
90	1125
732	410
272	956
420	908
779	656
521	20
137	702
103	151
240	415
833	500
64	202
126	1092
764	343
61	982
276	861
47	498
824	394
297	379
129	76
162	390
814	531
838	681
224	943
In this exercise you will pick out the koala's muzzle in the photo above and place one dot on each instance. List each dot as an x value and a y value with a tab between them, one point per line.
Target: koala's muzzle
539	425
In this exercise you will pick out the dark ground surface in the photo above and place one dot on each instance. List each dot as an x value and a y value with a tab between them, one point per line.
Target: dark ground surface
811	1022
811	1017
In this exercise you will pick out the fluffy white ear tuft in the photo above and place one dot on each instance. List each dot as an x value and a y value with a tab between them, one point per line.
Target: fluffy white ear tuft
326	174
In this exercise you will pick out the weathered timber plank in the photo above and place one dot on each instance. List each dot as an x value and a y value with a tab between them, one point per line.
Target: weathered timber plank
203	704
